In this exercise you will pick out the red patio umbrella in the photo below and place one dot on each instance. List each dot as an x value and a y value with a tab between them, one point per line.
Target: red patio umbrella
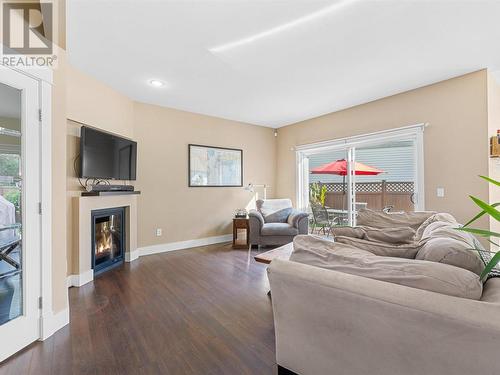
339	167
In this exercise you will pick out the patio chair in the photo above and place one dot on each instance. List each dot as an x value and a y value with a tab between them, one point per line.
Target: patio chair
322	220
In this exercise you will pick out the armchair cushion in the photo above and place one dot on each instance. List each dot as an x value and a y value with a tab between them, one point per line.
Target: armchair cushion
275	210
295	216
278	229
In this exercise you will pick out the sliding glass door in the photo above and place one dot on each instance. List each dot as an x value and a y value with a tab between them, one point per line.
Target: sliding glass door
381	172
393	189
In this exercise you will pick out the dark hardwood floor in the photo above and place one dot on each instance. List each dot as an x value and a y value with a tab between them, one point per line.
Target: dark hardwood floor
196	311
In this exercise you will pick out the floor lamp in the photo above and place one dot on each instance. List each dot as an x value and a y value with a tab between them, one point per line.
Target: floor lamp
250	187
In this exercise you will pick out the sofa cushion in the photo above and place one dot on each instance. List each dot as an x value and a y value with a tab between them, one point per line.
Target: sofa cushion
400	235
384	249
441	217
278	229
275	210
491	290
442	242
431	276
376	219
450	251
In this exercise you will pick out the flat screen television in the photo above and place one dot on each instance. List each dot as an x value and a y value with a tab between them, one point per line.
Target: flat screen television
107	156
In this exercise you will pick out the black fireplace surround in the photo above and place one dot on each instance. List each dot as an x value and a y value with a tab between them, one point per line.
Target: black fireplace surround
108	239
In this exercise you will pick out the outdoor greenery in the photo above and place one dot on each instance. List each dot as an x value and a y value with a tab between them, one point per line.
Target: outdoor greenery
495	214
317	193
9	165
14	197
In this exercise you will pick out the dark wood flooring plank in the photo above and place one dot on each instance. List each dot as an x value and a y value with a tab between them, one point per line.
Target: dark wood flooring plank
196	311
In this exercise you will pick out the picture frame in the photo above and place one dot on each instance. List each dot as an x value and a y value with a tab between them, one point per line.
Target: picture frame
213	166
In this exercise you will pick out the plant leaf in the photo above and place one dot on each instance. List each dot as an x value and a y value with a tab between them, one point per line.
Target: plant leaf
492	211
480	232
480	215
492	263
497	183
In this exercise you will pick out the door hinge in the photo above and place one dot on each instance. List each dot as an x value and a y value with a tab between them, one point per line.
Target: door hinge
40	303
40	115
39	208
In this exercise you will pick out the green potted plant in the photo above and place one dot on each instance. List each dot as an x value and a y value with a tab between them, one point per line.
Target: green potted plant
491	210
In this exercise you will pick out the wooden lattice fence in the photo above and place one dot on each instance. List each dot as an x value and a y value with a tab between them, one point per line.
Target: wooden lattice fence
377	195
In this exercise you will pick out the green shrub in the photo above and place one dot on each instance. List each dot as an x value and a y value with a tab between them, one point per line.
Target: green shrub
14	197
317	193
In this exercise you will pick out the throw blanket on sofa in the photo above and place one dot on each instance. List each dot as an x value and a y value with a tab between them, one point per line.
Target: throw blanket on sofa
436	240
433	276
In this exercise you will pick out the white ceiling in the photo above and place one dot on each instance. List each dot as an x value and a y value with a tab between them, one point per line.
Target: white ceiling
306	58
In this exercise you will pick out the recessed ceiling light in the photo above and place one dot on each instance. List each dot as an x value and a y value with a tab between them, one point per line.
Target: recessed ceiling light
284	27
156	83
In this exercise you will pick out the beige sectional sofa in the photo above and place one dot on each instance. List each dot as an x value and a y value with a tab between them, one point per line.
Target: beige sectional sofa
332	317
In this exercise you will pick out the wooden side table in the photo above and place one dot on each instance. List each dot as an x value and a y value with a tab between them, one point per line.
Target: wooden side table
241	223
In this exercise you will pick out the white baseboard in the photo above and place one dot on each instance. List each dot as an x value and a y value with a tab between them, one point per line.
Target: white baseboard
132	255
172	246
80	279
53	323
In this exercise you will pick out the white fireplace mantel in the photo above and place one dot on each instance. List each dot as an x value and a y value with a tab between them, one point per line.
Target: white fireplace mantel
82	244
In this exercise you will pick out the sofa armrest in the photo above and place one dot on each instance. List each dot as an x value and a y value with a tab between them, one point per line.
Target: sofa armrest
329	320
257	217
256	222
296	216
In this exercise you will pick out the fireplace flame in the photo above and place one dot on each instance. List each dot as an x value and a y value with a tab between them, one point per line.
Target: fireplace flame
104	239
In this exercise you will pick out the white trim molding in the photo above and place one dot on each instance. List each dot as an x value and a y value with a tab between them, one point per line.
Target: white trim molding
80	279
54	322
45	97
356	140
180	245
131	255
414	133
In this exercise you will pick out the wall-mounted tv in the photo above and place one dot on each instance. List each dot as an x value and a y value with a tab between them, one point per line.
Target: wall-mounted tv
107	156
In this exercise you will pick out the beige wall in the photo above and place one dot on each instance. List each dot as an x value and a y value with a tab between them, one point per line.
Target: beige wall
455	143
92	103
493	125
166	201
95	104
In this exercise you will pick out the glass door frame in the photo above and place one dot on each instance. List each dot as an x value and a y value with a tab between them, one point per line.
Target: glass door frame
40	118
413	133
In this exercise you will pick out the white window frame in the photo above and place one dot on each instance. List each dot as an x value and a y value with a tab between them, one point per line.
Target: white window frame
412	132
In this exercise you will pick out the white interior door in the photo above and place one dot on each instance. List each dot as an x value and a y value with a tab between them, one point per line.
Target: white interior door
19	212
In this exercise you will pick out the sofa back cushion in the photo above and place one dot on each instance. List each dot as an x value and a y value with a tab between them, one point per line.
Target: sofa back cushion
383	249
403	235
431	276
275	210
442	242
378	219
439	217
